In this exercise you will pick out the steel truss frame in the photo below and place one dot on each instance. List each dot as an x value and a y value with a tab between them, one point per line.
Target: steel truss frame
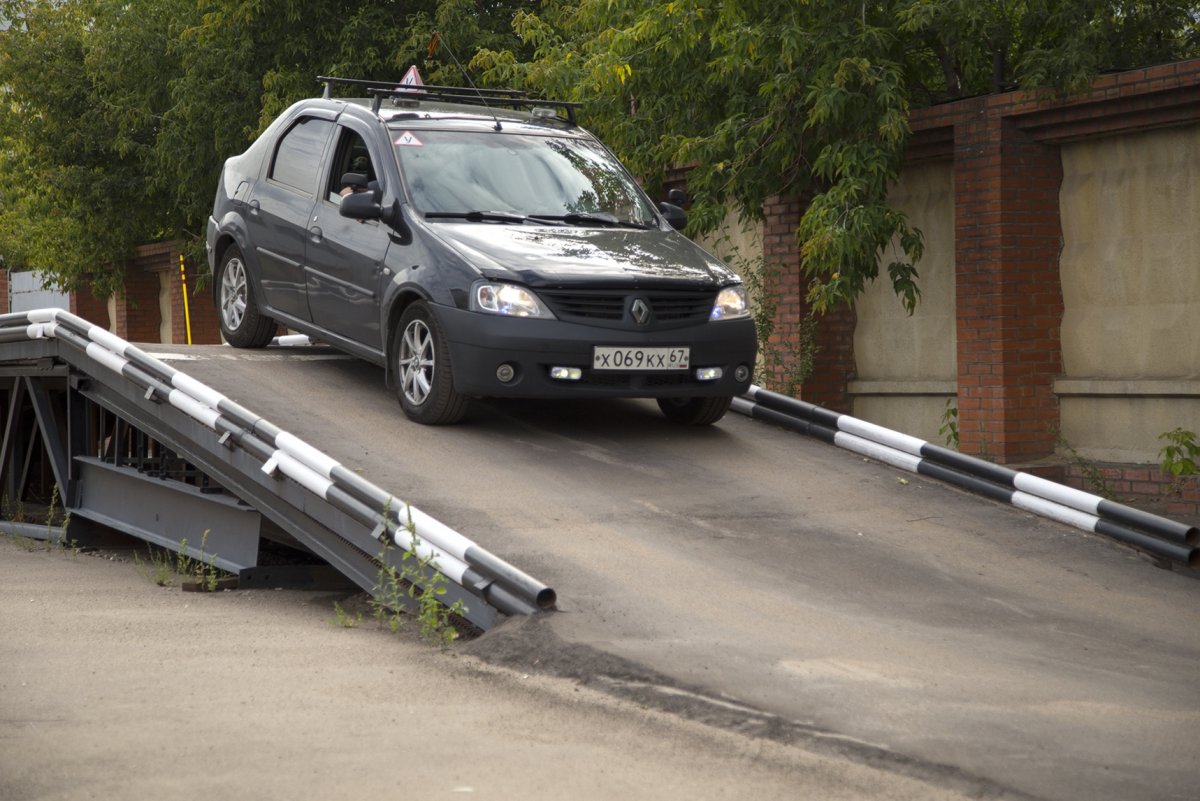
76	435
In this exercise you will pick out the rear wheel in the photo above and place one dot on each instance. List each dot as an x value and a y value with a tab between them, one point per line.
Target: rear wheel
242	324
424	381
695	411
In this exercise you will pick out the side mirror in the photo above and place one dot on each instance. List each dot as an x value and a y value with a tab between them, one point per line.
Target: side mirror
675	216
367	206
361	206
355	180
677	197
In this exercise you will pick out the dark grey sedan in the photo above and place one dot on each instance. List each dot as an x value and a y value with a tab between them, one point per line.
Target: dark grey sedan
476	246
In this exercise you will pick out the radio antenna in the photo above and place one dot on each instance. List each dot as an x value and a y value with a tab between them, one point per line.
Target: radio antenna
435	41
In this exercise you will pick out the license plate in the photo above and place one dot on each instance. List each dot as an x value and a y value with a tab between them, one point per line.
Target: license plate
627	359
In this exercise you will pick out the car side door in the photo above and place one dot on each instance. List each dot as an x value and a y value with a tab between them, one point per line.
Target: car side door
280	209
345	257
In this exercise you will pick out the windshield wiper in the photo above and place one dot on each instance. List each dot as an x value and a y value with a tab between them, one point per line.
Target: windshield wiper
601	218
477	216
598	217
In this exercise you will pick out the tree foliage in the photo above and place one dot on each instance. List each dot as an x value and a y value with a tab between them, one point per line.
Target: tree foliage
115	116
760	98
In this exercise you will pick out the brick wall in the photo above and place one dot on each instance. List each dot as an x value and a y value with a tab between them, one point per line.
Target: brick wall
1008	239
1145	486
200	310
91	308
1008	297
782	258
1007	173
139	311
138	314
138	318
833	365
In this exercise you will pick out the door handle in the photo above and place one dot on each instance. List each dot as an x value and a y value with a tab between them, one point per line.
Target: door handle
314	233
254	207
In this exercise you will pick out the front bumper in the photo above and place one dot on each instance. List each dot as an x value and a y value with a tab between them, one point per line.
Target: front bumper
480	343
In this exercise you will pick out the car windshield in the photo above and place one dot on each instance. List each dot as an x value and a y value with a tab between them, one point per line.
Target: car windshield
575	181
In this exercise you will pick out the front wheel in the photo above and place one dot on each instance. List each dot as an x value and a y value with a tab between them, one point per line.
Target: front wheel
424	381
242	324
695	411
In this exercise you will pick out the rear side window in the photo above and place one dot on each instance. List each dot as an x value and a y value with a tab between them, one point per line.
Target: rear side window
298	157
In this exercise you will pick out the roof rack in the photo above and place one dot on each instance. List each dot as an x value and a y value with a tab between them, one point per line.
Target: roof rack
505	98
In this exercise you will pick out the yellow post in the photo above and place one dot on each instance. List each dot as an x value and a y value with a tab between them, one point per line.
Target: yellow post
187	315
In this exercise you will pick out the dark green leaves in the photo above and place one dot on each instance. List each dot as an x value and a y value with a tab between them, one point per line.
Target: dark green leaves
758	98
116	117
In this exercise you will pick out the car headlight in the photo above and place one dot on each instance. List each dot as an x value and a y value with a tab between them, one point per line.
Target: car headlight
731	303
508	299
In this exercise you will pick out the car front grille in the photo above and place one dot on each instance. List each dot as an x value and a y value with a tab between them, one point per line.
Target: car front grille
611	309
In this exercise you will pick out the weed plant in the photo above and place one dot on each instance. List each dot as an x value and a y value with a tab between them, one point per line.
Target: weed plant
1180	456
949	426
164	569
343	618
417	586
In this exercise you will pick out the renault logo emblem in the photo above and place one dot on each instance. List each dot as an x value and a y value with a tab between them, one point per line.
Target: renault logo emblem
640	311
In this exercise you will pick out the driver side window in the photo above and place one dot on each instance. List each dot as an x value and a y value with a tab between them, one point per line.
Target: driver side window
352	169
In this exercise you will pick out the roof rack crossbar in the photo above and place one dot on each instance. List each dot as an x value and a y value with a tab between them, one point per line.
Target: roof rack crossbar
510	98
330	82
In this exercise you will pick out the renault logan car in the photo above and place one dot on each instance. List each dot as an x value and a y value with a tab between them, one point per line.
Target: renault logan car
475	245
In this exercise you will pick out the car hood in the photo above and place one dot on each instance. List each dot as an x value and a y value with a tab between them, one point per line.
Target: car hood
562	255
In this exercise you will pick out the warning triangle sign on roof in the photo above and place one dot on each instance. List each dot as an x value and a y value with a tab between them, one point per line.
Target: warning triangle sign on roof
411	78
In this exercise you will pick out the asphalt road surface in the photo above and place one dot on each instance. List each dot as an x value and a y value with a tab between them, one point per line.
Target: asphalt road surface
762	582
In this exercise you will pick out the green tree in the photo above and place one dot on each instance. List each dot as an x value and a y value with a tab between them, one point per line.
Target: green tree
76	182
760	98
115	117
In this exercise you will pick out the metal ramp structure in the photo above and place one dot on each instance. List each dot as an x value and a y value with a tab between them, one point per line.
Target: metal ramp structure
116	437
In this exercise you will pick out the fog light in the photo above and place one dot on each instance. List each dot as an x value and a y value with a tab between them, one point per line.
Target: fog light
566	373
709	373
741	373
506	373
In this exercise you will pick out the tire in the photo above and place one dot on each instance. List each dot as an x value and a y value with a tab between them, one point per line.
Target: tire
242	324
424	380
695	411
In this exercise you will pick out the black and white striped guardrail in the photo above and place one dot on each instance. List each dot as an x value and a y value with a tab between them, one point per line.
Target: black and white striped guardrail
1154	534
458	558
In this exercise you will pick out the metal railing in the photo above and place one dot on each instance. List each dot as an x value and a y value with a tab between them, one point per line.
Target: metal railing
1157	535
280	455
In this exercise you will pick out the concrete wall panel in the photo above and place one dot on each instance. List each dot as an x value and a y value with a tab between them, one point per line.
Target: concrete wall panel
897	355
1125	429
1131	256
1131	289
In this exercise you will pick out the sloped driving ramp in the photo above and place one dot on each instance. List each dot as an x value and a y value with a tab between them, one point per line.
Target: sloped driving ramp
121	438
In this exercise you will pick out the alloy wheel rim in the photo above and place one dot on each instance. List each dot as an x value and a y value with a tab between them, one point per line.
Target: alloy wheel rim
416	362
233	294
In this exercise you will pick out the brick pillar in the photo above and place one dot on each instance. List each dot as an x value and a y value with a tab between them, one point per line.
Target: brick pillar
1009	296
89	307
833	367
783	286
833	364
137	313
